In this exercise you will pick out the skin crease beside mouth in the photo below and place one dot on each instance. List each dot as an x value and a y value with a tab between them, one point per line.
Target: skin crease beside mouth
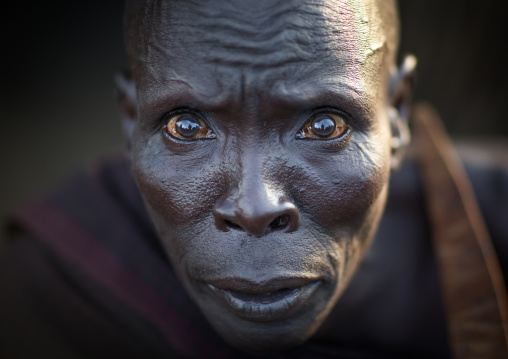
283	220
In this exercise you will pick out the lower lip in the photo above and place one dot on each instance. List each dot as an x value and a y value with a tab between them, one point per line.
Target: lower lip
266	307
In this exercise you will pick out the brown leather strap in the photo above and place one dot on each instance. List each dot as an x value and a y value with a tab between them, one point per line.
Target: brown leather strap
473	288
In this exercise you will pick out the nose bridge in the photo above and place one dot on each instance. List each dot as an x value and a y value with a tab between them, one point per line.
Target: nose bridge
255	203
255	192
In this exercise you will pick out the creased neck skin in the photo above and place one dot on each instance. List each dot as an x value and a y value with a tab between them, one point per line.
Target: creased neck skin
258	213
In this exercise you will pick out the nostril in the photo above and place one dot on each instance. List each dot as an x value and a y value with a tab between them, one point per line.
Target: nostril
233	225
280	222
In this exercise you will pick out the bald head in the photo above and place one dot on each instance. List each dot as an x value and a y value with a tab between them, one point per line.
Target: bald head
261	33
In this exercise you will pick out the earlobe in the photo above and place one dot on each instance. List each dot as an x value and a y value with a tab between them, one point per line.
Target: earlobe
125	94
401	90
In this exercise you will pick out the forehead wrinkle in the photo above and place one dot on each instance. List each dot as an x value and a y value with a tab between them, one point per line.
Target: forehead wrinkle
154	17
289	38
293	32
272	40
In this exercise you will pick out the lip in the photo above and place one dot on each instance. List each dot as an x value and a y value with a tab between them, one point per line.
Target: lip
264	302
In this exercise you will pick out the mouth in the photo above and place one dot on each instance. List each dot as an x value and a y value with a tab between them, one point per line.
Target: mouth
274	300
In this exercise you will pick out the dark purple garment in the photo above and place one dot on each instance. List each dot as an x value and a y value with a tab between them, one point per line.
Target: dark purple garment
83	275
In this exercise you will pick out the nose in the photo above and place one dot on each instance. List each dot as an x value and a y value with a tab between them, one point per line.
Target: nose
256	209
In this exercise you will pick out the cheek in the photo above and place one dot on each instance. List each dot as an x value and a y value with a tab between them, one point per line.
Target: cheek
342	191
180	189
179	192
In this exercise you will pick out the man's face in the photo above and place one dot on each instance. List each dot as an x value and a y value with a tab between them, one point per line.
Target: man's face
262	151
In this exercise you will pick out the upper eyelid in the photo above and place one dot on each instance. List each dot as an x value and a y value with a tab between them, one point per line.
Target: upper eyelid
329	109
181	111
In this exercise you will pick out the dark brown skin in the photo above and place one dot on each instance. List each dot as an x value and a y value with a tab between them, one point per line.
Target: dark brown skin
256	207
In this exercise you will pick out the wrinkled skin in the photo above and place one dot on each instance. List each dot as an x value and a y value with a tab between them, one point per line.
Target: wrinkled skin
256	208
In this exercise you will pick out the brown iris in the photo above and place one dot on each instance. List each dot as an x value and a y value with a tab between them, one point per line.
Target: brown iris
324	126
188	127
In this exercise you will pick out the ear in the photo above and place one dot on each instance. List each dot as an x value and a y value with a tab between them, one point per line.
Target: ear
401	90
125	94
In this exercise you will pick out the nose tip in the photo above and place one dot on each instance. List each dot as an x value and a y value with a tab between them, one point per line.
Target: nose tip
256	217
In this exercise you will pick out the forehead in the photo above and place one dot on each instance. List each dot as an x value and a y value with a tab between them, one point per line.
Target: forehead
270	47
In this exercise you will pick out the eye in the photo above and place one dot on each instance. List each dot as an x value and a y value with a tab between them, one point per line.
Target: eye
188	127
325	126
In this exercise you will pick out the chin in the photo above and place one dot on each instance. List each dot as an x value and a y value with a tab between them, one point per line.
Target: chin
270	318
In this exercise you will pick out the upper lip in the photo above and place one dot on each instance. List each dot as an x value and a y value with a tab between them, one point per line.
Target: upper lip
260	287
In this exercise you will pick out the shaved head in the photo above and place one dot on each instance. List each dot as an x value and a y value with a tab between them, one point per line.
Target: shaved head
270	31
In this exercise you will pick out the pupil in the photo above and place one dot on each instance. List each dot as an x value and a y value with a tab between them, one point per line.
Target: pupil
323	126
187	126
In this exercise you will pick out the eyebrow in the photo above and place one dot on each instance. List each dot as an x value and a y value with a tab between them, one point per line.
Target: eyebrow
331	93
180	93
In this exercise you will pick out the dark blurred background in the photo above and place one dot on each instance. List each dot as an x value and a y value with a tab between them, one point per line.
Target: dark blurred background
58	60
